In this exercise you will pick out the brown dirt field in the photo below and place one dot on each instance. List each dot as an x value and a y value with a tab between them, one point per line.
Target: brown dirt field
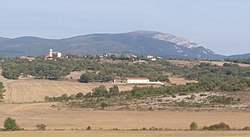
30	90
29	115
124	134
180	81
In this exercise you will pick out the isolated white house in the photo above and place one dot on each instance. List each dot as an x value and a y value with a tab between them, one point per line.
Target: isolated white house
137	80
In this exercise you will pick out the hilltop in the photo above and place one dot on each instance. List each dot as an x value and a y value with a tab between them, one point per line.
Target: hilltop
137	42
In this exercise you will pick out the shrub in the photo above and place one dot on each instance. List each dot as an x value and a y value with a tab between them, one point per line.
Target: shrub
193	126
79	95
144	128
222	100
88	128
150	109
220	126
182	94
246	128
41	127
47	99
103	105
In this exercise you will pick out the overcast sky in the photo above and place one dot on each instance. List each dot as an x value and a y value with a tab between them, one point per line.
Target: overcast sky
220	25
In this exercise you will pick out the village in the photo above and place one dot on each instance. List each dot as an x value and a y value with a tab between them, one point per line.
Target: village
54	55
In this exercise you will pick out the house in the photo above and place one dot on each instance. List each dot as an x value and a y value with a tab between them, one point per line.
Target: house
53	54
119	80
153	59
150	57
137	80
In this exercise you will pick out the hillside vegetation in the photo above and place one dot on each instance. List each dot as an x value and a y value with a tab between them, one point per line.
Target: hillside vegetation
206	77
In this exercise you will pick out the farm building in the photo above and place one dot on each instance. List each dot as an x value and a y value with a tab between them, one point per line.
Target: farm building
137	80
53	54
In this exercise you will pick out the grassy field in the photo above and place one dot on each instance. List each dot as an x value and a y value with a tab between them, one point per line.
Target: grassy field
29	115
180	81
125	134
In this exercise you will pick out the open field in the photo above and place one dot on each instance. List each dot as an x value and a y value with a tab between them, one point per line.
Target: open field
180	80
220	63
184	62
29	115
30	90
124	134
196	62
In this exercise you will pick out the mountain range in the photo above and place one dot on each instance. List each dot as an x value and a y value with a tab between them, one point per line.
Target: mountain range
137	43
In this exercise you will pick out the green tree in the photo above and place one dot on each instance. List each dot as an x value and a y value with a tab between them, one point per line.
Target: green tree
114	90
79	95
100	91
10	125
1	90
104	105
87	77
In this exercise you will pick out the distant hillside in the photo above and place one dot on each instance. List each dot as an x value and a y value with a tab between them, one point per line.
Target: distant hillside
137	42
240	56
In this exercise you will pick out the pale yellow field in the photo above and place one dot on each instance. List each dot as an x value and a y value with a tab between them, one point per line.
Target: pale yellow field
180	80
29	115
194	62
125	134
220	63
184	62
30	90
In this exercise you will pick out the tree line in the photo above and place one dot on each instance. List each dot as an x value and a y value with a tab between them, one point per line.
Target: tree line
1	90
96	71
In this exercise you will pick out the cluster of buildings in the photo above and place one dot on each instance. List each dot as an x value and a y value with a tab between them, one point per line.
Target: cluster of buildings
152	58
52	54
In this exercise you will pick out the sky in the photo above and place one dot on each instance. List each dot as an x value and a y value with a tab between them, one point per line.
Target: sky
220	25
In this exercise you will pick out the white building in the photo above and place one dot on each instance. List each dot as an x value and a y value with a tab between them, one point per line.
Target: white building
137	80
150	57
55	54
